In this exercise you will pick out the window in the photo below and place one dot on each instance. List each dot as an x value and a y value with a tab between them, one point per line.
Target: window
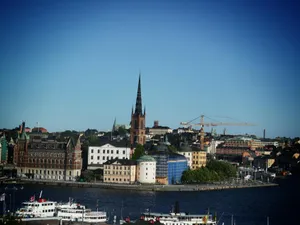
112	151
124	152
92	151
92	157
107	158
98	151
98	157
70	173
117	151
103	157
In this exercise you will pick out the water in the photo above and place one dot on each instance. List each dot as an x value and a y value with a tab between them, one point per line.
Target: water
248	206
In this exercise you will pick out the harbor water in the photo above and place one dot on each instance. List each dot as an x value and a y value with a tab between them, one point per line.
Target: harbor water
247	206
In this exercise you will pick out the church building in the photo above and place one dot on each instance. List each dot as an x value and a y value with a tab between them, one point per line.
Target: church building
138	120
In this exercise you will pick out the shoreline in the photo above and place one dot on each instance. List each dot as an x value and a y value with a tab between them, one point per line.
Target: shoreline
180	187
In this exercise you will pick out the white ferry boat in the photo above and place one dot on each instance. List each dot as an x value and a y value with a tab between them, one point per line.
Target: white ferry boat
176	218
79	213
40	208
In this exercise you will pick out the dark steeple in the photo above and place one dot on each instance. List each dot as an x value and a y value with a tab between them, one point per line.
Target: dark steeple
138	104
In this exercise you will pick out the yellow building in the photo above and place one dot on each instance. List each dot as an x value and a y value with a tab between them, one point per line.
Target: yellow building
198	159
122	171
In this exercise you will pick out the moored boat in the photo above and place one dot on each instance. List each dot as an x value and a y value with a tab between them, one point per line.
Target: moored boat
72	211
176	218
40	208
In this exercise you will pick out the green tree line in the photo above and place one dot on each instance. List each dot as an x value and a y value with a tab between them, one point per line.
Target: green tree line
214	171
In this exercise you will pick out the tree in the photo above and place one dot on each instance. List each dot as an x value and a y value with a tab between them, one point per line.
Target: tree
138	152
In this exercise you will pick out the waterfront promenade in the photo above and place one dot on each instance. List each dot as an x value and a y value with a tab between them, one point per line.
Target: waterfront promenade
140	187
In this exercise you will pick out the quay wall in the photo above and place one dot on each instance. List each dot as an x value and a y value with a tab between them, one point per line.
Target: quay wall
199	187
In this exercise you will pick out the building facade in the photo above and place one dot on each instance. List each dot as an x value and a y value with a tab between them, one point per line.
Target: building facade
121	171
98	155
199	159
146	170
47	159
177	164
138	120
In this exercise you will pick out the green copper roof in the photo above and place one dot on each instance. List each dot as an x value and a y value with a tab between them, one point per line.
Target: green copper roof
146	158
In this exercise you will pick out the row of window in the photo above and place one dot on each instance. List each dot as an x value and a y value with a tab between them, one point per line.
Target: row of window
199	162
42	154
117	167
107	157
48	161
48	172
117	172
200	157
117	179
107	151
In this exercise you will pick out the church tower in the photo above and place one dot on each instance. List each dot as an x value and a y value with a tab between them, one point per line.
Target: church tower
137	130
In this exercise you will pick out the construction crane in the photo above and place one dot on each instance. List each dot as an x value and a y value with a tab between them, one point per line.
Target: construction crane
202	124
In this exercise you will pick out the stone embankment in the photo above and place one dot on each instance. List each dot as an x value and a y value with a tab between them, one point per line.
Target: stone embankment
136	187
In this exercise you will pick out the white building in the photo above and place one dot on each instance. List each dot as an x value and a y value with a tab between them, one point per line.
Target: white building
213	146
146	170
108	150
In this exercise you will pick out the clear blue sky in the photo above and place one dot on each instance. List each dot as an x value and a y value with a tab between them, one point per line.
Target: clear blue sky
75	64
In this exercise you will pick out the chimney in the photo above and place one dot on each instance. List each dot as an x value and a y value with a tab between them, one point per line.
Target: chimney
23	127
155	123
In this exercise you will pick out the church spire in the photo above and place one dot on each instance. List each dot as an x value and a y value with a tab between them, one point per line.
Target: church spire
138	104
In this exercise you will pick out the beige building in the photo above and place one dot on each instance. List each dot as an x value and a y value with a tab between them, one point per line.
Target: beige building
121	171
199	159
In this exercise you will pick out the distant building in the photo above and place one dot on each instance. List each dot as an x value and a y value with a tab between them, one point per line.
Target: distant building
138	120
119	171
108	150
47	159
39	130
4	149
158	130
146	170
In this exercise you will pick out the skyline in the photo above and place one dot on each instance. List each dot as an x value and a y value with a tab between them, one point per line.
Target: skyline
74	65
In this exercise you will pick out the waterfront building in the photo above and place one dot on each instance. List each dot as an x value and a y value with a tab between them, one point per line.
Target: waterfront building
108	150
47	159
177	164
121	171
169	165
146	170
138	120
199	159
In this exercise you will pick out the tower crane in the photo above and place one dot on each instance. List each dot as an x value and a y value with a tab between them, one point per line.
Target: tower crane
202	124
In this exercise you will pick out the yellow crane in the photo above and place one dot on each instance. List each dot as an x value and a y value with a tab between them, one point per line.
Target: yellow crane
202	124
